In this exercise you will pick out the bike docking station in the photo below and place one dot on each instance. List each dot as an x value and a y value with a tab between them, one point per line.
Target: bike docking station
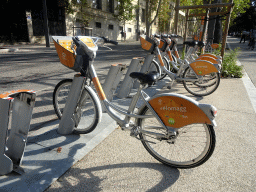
67	122
15	110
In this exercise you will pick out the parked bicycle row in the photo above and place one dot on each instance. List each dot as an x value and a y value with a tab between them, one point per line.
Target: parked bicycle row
174	129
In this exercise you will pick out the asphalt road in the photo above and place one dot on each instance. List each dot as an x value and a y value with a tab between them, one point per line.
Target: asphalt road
37	68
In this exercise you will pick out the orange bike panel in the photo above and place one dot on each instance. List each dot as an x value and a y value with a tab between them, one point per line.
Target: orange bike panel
99	89
161	44
215	46
209	55
203	67
207	58
65	53
147	43
177	112
7	94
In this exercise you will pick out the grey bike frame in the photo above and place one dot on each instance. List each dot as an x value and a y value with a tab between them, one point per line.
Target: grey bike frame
111	109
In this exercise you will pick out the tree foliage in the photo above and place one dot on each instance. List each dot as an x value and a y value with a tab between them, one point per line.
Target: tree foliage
163	16
77	7
125	10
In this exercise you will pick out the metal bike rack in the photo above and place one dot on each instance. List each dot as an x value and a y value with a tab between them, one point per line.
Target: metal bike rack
126	85
149	58
67	122
19	105
113	78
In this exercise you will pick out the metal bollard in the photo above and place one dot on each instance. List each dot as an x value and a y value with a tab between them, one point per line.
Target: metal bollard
149	58
67	123
126	85
113	78
22	106
6	165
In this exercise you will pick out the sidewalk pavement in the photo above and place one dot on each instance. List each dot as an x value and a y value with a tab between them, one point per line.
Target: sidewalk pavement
108	159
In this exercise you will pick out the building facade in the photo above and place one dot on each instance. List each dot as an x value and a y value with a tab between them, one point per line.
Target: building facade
27	21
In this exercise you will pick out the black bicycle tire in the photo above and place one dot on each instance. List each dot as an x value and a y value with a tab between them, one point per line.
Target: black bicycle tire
208	154
58	111
203	94
55	105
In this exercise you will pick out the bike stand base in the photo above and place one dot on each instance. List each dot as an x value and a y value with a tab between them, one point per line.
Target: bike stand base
18	169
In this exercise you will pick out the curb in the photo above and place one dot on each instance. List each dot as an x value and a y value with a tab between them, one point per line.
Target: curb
6	50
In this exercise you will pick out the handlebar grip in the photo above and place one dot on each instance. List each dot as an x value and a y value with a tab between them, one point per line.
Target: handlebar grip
106	40
76	40
113	42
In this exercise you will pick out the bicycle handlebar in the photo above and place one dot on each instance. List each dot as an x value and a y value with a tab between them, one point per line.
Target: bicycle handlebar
106	40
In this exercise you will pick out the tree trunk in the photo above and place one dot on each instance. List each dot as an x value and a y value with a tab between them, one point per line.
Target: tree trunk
149	14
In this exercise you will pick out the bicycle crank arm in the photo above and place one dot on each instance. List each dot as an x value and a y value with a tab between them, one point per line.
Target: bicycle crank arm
144	140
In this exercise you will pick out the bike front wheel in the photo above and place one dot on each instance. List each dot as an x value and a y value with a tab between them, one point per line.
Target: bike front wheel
192	147
60	95
88	110
155	66
201	87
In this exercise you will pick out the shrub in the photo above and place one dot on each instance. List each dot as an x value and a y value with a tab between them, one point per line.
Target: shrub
229	65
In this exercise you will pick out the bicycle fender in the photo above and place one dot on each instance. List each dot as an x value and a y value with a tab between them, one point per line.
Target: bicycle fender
202	67
217	58
177	110
208	58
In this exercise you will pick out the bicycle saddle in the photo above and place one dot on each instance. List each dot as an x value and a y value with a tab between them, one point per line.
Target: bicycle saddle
191	43
144	78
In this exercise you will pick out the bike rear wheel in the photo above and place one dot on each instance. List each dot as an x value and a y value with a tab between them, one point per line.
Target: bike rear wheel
193	146
87	112
205	86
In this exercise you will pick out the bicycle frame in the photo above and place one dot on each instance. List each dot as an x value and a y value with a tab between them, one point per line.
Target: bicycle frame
112	109
77	96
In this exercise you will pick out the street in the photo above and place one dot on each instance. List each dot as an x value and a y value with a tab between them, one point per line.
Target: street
37	68
246	57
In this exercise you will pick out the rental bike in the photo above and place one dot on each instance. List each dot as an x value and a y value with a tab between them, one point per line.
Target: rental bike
200	77
175	129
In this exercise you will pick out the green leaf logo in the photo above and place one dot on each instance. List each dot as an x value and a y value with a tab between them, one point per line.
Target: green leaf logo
171	121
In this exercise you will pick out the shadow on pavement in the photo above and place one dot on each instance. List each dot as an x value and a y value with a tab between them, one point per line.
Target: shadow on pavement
86	180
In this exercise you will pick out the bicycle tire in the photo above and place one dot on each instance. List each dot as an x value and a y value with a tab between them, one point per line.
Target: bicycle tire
60	95
156	66
88	113
183	152
208	84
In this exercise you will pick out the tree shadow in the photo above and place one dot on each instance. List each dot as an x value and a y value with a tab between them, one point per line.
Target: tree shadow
88	181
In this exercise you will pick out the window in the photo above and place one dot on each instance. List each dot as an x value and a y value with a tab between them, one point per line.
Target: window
98	24
129	29
110	27
97	4
111	6
143	16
